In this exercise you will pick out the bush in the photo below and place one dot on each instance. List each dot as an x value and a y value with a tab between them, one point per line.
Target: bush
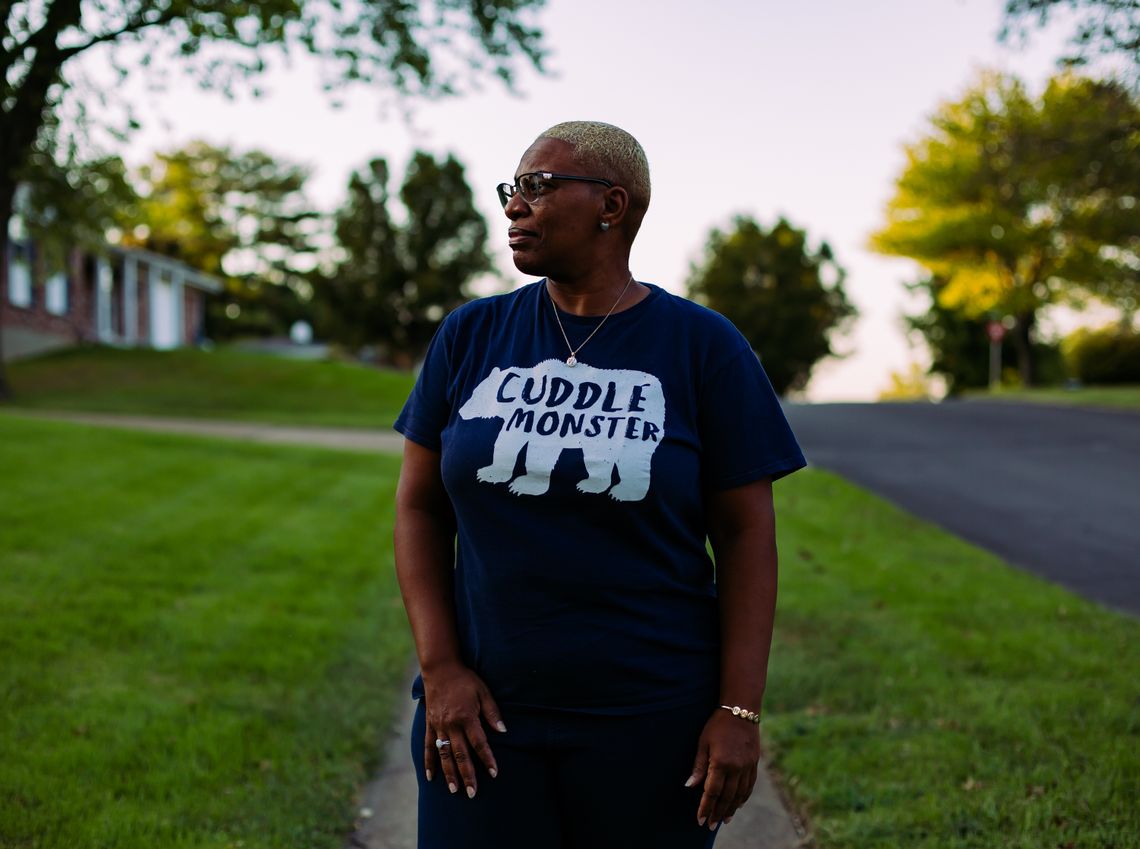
1107	355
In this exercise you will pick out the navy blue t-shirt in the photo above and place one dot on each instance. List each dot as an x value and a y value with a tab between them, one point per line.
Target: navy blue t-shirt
582	578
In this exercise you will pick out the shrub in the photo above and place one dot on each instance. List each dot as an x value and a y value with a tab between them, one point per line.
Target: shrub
1106	355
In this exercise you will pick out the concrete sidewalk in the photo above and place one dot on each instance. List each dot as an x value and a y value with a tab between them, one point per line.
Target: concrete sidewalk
388	805
349	439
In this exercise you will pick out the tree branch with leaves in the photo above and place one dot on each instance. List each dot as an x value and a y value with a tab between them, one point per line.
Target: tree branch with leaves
1103	28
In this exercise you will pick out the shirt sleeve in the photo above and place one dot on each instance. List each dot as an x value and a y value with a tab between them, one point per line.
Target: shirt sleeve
428	409
744	433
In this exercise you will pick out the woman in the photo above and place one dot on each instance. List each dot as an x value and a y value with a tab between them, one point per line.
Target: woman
586	680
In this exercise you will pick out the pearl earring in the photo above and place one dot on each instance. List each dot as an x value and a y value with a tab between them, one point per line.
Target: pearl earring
605	225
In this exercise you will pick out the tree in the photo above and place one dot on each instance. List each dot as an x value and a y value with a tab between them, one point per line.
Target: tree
394	283
242	216
427	50
1106	355
1103	28
1017	203
786	299
960	347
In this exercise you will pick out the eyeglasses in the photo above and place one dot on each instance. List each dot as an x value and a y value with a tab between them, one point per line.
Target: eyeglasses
533	185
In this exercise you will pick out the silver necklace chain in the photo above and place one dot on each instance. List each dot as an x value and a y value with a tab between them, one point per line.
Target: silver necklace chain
572	360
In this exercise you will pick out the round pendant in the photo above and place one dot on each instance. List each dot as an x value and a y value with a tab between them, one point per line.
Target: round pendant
571	361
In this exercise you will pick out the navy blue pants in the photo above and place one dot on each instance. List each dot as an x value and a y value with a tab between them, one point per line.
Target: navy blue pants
573	781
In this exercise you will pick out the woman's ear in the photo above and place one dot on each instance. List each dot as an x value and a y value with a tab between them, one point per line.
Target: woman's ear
615	206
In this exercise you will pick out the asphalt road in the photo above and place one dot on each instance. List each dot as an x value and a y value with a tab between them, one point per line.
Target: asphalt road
1053	490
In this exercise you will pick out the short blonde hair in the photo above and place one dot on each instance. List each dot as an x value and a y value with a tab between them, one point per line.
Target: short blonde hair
610	152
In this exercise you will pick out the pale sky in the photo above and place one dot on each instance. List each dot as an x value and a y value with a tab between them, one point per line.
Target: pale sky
762	108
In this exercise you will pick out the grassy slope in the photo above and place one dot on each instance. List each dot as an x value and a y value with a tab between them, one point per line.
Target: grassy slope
924	694
220	384
1127	397
201	641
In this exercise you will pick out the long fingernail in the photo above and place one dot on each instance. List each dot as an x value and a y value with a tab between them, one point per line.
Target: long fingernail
451	786
500	725
470	792
712	826
494	772
700	820
692	780
427	774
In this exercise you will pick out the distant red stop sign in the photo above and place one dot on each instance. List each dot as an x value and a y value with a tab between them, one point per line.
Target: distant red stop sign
995	330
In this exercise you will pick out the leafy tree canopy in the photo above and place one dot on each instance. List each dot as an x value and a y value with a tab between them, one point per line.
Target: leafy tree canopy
1017	203
242	216
426	49
784	297
233	214
395	281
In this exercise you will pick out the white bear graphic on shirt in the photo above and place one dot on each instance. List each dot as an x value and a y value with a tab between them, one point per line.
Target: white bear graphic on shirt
615	416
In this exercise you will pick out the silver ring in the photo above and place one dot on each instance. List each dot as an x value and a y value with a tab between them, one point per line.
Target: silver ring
440	743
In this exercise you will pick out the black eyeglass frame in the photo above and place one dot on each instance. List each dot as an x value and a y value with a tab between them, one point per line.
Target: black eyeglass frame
509	190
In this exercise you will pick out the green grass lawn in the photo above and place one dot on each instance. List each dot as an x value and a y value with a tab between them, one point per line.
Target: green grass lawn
1127	397
223	384
200	641
924	694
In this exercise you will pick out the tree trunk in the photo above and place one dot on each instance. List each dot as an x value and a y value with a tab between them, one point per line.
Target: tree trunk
23	117
1022	343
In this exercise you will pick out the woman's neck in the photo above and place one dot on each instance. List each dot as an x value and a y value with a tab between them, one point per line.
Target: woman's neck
597	294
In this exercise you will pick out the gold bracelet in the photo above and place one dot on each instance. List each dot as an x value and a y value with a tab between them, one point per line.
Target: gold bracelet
743	713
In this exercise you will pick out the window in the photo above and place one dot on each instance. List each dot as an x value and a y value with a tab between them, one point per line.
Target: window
55	293
20	274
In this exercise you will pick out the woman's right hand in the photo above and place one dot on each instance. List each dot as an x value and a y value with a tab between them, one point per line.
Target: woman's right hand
458	704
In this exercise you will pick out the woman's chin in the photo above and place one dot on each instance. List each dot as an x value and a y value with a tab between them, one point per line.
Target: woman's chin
527	264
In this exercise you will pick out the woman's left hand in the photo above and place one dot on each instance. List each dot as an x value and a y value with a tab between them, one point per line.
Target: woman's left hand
727	756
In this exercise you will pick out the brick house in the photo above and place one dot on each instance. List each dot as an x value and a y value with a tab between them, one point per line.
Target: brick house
129	298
